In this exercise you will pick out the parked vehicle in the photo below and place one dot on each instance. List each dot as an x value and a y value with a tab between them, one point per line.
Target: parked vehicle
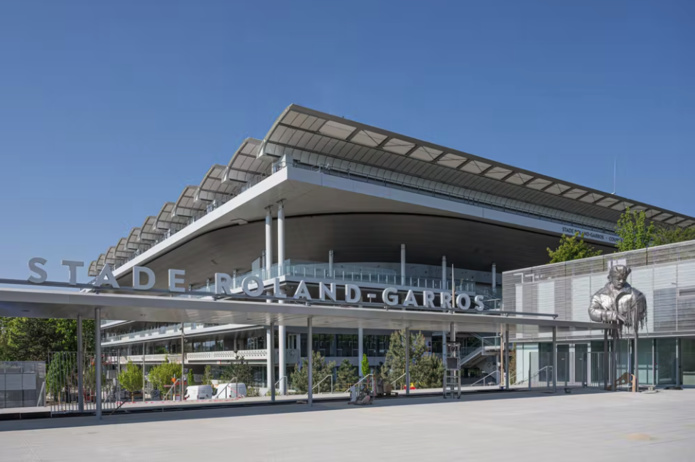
195	392
230	391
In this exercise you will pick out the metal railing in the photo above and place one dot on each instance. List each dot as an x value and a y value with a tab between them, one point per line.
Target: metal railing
287	384
323	380
548	376
495	374
359	381
396	381
227	387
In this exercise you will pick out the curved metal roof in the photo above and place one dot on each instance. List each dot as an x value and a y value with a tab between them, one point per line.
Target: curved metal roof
319	133
321	139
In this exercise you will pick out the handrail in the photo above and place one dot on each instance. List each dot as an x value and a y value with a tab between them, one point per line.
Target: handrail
394	382
233	380
322	380
287	384
491	373
173	387
550	367
359	381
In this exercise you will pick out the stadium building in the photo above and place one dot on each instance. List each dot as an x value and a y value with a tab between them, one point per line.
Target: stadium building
323	200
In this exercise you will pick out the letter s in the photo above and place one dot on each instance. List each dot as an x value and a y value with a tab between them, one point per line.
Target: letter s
41	274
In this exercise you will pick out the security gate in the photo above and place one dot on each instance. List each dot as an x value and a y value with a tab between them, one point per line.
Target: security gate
63	383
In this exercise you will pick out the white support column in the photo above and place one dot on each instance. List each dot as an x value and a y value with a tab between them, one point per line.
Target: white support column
80	365
282	366
444	275
310	353
97	359
183	365
407	361
271	361
269	353
554	359
282	333
281	238
330	264
360	349
268	242
402	264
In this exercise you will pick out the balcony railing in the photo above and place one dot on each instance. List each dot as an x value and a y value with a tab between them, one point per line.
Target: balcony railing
291	356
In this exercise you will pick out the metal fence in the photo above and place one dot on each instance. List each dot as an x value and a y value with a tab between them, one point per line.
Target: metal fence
62	382
22	384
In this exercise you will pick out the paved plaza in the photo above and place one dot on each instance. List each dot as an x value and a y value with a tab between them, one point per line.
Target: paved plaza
518	426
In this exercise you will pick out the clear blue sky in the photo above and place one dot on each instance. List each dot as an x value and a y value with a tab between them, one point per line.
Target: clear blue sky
108	109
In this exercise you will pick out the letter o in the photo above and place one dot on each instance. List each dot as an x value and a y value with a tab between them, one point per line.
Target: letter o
259	286
463	298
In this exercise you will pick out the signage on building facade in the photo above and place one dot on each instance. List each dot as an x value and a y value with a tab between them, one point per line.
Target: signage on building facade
253	287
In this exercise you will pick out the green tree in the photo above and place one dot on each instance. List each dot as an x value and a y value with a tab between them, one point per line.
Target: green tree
428	372
207	375
30	339
425	370
239	372
346	375
130	379
189	378
365	365
670	234
572	248
161	376
633	230
321	369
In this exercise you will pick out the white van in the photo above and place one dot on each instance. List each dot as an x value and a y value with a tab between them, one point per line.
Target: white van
230	391
195	392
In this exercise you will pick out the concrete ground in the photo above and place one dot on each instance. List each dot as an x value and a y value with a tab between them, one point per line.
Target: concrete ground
517	426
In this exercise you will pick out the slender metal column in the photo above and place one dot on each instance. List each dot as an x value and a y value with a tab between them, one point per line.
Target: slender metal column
506	358
97	359
271	361
678	362
554	359
635	364
360	349
444	274
282	333
605	373
310	353
402	264
268	242
269	334
144	350
614	366
494	278
80	364
407	361
183	364
330	264
654	362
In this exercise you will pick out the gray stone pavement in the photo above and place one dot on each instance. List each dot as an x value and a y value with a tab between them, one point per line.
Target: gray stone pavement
515	426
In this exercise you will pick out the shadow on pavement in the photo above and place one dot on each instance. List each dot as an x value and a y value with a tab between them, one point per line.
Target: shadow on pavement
277	408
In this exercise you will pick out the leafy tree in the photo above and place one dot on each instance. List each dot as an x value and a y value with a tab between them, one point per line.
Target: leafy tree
346	375
572	248
239	372
130	379
189	377
161	376
300	376
29	339
670	234
425	370
633	230
207	375
428	372
365	365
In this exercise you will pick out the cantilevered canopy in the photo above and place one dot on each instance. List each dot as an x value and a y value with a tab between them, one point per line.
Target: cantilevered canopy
167	221
64	304
318	135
